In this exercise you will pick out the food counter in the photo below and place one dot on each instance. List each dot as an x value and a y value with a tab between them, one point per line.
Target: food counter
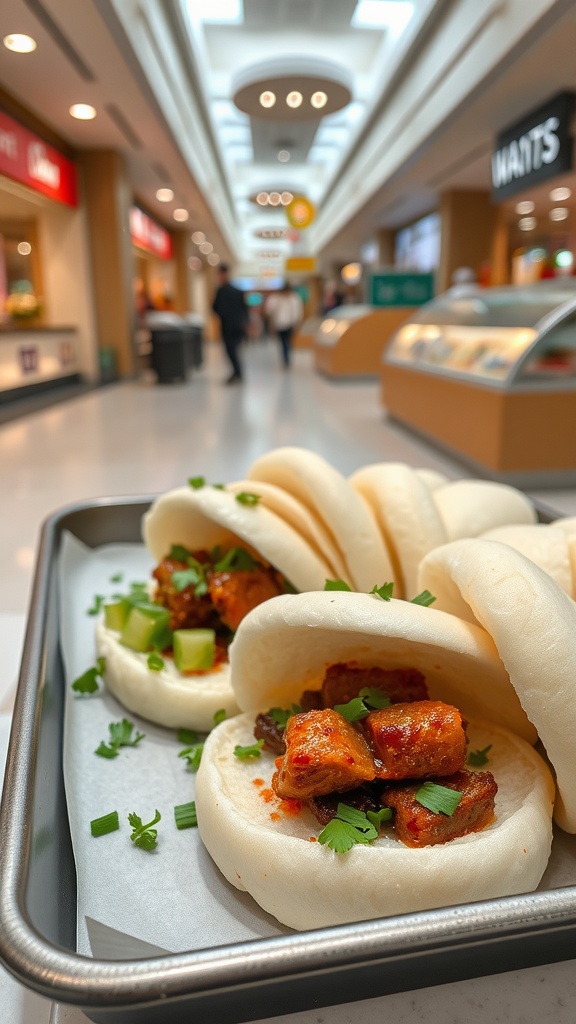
350	339
34	358
490	374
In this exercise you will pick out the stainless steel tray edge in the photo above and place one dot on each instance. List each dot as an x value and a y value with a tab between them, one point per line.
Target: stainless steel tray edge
245	981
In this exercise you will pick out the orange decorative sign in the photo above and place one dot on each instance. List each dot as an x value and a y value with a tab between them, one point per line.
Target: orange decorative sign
300	212
300	264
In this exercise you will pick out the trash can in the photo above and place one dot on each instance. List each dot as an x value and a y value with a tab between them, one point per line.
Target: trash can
194	328
169	354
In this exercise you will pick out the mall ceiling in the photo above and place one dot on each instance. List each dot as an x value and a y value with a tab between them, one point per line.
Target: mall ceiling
177	85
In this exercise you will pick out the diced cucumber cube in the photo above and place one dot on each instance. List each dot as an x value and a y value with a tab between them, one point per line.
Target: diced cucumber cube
194	649
116	613
143	625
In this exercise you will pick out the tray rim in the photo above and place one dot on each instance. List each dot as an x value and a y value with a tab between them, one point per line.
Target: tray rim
69	977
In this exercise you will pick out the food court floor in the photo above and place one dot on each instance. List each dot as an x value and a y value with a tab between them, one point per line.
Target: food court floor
141	438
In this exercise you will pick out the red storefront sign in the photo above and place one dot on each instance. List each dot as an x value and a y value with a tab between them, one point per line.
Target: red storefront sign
146	234
26	158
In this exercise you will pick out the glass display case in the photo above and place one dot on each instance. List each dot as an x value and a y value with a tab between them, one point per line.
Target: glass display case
350	338
500	336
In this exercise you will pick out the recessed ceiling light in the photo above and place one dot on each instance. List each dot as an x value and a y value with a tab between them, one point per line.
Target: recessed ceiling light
274	198
564	258
195	263
527	223
560	195
82	111
294	99
19	43
24	248
165	195
286	198
526	206
213	259
267	98
283	156
559	213
262	198
198	237
181	215
206	248
318	99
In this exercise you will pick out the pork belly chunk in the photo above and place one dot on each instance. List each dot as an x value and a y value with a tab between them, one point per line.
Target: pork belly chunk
237	592
324	754
343	682
416	741
416	826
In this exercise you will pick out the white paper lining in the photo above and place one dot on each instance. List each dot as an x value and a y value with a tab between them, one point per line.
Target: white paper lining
174	897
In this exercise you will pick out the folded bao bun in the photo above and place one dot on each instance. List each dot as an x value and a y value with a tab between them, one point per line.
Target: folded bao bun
406	513
469	508
547	546
432	478
283	647
201	519
337	505
533	625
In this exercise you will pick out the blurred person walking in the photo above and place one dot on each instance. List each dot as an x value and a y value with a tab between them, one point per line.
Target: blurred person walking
230	307
285	310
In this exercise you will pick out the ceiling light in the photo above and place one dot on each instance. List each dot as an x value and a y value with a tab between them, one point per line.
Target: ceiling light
294	99
391	14
24	248
180	215
213	259
262	198
564	258
267	99
286	198
559	213
198	237
526	206
194	263
283	156
560	195
19	43
318	99
351	273
164	195
206	248
527	223
274	198
82	111
219	11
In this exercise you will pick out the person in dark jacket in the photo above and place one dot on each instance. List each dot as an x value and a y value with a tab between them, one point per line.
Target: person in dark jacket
230	307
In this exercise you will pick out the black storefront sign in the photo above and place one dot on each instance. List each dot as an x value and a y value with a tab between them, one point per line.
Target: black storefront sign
535	149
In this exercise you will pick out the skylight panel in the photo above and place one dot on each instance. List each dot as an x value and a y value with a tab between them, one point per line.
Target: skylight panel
216	12
393	15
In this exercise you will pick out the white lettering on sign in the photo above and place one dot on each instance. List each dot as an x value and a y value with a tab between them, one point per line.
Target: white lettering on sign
8	145
41	167
539	146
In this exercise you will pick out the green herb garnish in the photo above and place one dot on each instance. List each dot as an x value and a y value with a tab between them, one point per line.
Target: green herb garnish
385	591
117	577
438	799
219	716
192	756
196	482
245	498
378	817
186	736
425	598
88	681
244	753
178	553
349	827
336	585
121	735
219	487
144	836
235	560
107	823
185	815
281	715
477	758
369	699
155	661
97	602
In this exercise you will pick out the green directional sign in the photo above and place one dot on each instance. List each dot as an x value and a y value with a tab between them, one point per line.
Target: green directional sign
401	289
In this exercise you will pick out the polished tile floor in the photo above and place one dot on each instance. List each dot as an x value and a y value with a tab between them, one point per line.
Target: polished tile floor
142	438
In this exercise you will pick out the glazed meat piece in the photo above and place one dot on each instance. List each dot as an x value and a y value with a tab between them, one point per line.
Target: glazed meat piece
187	611
266	728
343	682
416	826
324	754
324	807
311	700
235	593
416	741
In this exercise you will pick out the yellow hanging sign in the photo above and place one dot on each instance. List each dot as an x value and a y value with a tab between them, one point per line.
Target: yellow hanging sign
300	212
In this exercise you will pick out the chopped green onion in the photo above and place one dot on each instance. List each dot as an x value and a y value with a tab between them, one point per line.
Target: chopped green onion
107	823
185	815
438	799
144	836
219	716
244	753
193	756
155	662
425	598
98	601
178	553
186	736
336	585
477	758
245	498
101	665
385	591
196	482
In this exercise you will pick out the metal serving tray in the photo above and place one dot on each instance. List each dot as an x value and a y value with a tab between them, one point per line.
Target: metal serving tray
228	983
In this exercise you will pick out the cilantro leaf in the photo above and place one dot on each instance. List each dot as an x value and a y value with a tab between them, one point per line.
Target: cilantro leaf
219	487
105	750
219	716
244	753
374	698
336	585
97	602
281	715
120	736
245	498
192	756
196	482
438	799
144	836
117	577
88	681
178	553
385	591
186	736
425	598
235	560
353	711
477	758
377	817
349	827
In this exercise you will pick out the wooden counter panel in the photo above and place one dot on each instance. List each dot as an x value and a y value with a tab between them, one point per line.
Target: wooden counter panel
358	351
